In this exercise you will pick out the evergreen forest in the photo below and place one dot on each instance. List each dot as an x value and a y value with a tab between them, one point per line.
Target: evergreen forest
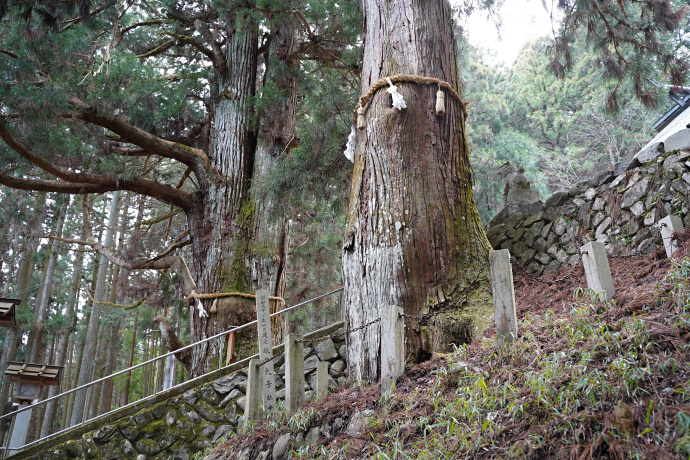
155	149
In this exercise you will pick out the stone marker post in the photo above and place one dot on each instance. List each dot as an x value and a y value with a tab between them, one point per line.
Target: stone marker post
392	345
265	350
504	297
294	372
252	401
322	379
669	225
597	270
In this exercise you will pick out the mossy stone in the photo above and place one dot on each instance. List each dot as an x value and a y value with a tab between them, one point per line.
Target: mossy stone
148	447
158	411
209	395
73	448
209	413
129	430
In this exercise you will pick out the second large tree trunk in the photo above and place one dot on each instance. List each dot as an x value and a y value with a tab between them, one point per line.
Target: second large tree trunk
413	236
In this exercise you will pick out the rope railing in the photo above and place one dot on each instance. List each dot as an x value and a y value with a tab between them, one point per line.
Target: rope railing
150	361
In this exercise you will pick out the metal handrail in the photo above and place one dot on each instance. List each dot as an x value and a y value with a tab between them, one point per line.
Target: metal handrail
208	339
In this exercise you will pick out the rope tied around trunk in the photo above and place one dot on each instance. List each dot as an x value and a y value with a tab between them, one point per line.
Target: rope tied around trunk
383	82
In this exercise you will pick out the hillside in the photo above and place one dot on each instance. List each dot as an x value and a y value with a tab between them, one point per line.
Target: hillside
585	380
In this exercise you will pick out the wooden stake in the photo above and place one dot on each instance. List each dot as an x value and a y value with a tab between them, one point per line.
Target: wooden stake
230	358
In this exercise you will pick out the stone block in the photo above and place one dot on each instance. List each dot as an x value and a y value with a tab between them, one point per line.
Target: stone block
551	214
209	395
191	397
325	350
669	225
677	141
649	153
221	432
337	368
190	413
636	192
638	208
597	271
556	199
225	385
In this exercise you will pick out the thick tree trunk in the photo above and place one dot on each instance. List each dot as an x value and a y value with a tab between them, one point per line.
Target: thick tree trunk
221	226
276	138
413	235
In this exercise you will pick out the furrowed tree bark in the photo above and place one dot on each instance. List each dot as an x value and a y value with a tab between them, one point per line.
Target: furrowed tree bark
413	236
221	224
276	138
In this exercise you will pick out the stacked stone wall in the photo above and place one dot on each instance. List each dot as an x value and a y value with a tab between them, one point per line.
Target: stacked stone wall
183	421
621	211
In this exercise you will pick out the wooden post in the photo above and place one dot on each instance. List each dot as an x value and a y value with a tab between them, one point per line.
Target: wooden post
392	346
504	297
265	350
230	358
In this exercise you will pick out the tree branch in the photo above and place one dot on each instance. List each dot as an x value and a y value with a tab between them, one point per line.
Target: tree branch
192	157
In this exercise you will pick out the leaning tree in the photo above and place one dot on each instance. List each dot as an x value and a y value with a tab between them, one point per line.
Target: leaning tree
413	236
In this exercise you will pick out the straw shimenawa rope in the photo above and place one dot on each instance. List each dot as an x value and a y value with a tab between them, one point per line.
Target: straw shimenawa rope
405	78
216	295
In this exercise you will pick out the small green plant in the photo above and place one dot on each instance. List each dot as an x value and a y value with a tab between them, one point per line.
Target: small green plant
300	420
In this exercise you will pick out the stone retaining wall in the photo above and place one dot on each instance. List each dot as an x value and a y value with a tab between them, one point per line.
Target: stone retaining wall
182	421
619	211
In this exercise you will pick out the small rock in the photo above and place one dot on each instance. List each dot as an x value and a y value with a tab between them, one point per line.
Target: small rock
240	402
141	457
171	418
143	418
168	439
280	448
104	434
557	199
208	431
209	413
337	368
74	449
234	394
313	436
209	394
148	447
190	414
228	383
342	352
221	432
357	422
637	209
325	350
128	448
180	454
191	397
310	364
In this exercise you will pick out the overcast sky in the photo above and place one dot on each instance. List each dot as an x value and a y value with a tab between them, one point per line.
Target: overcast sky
523	20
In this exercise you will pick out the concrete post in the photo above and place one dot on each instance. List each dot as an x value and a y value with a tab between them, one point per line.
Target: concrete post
20	429
322	379
504	297
252	401
392	346
669	225
265	350
294	372
597	270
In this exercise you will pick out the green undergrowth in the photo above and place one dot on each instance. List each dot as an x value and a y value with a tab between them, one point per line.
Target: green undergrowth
584	380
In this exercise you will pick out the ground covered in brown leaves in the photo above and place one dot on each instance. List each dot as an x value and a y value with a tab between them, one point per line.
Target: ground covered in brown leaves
586	379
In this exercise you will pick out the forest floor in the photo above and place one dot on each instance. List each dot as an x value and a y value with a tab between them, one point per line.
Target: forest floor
585	379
